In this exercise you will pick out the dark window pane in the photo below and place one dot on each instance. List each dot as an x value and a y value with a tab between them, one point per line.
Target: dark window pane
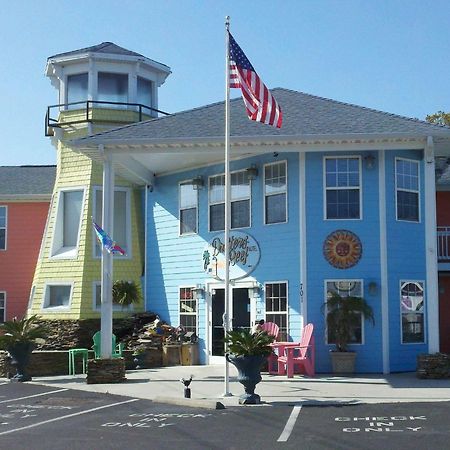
276	208
412	328
188	221
408	206
240	214
2	239
217	217
343	204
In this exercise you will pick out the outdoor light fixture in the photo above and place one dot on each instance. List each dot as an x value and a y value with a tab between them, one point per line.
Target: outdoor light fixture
197	183
252	172
370	161
372	288
253	291
198	292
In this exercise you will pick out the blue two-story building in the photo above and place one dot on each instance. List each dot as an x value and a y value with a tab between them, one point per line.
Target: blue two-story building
341	198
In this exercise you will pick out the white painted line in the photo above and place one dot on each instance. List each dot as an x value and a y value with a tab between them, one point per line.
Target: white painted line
31	396
68	416
284	436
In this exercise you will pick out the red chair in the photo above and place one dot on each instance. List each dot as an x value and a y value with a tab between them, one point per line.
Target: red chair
301	355
272	329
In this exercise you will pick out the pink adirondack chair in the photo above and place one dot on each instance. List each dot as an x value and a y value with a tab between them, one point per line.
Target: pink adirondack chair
272	329
301	355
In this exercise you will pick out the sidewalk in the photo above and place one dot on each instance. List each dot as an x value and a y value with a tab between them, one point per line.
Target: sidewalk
164	384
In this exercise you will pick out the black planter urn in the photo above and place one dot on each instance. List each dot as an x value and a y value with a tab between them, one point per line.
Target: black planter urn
20	357
249	375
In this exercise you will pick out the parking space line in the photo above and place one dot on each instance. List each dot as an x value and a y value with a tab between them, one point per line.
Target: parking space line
284	436
31	396
68	416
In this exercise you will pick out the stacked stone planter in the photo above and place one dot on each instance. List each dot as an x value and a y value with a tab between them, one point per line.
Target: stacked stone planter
105	371
435	366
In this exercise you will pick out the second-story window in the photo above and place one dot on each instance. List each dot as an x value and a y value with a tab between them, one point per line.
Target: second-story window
188	208
2	227
240	201
342	188
144	93
407	187
275	192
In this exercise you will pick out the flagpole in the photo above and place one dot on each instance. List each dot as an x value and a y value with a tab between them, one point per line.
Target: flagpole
226	314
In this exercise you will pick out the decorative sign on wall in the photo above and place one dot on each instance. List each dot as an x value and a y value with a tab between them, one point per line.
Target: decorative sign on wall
342	249
244	255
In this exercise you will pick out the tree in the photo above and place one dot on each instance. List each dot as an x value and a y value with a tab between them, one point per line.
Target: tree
439	118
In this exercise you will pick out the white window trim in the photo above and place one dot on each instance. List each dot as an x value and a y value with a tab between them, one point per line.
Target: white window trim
418	191
325	189
363	320
56	309
31	297
231	202
287	302
6	228
128	244
66	252
424	312
4	305
116	307
269	195
188	314
179	211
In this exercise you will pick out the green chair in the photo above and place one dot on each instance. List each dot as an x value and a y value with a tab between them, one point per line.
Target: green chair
117	349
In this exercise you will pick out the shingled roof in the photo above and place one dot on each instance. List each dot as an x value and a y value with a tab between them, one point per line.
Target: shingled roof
303	115
27	181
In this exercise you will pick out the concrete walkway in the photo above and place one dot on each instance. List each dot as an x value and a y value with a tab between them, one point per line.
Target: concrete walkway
163	384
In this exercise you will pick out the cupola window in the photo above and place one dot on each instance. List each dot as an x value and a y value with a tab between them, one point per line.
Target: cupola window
112	87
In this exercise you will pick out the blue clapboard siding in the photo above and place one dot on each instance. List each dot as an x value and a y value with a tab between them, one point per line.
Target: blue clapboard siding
175	261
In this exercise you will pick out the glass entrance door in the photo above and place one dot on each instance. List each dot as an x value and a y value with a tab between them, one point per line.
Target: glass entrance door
240	314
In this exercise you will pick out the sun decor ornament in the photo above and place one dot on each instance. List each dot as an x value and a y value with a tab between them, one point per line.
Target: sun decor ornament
342	249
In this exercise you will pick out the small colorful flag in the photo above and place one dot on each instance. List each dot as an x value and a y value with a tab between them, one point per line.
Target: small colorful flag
260	104
106	241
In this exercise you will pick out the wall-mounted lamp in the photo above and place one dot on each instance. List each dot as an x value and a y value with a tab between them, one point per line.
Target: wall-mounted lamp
372	288
254	291
370	161
198	292
197	183
252	172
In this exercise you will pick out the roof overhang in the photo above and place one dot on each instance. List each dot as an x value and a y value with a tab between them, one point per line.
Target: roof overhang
24	198
162	156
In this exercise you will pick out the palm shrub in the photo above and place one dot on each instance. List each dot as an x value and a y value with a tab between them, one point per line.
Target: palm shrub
244	343
24	331
126	293
343	315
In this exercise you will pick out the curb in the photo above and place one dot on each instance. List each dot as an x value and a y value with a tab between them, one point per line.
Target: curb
193	403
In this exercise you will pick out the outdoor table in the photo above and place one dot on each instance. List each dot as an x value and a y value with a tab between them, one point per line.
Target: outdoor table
279	348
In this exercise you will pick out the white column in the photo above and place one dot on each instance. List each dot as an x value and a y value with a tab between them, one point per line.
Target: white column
302	221
431	288
384	288
107	258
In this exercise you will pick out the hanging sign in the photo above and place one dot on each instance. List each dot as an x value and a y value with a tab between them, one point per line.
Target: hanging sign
244	255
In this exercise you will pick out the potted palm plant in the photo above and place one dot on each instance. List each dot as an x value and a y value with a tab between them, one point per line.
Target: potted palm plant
343	315
18	338
248	352
125	293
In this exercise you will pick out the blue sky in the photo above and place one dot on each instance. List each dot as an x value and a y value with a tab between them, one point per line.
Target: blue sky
389	55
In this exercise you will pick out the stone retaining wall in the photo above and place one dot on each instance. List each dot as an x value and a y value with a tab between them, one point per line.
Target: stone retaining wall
436	365
101	371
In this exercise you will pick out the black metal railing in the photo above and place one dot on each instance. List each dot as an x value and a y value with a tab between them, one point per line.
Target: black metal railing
88	106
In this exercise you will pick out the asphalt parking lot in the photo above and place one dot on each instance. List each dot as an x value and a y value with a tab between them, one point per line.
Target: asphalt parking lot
40	417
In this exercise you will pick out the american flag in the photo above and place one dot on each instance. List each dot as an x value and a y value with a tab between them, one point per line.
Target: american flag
260	104
106	241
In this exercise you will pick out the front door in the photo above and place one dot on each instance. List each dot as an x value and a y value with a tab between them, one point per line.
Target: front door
240	314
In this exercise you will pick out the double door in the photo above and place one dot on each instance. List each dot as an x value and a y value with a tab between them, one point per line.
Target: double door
240	316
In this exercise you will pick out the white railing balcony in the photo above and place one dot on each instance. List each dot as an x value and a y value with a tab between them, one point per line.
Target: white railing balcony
443	244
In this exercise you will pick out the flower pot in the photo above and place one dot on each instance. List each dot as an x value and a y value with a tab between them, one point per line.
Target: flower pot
20	354
343	362
249	375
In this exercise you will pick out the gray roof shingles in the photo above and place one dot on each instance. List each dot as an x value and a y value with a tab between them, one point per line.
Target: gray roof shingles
27	180
303	114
